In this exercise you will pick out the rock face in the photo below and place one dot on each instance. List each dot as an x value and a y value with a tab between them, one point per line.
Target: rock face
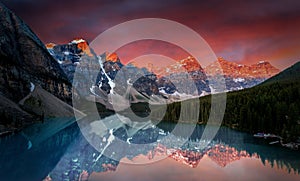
69	55
238	76
186	76
189	64
42	103
24	60
260	70
25	63
13	117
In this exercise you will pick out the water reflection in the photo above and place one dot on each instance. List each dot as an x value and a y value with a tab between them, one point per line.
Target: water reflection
67	155
246	169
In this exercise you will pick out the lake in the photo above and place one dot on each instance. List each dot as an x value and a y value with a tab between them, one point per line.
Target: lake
64	153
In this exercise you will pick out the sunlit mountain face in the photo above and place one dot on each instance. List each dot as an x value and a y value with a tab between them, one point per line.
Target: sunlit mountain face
261	69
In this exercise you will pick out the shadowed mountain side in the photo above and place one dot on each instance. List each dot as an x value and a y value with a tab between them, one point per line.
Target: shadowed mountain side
12	122
42	103
25	59
290	74
25	63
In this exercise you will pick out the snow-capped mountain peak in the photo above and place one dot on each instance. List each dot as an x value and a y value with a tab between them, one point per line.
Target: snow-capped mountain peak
50	45
77	41
112	57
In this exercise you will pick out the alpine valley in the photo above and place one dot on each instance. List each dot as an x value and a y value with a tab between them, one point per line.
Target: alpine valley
31	70
68	113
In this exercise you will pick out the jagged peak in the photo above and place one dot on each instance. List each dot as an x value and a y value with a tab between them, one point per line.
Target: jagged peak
261	69
113	57
222	61
220	58
78	40
50	45
263	62
80	43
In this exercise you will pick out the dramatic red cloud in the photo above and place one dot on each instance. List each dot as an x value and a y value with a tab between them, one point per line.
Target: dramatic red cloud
240	31
136	49
134	52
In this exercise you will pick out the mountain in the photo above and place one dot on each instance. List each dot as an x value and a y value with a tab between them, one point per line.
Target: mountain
239	76
184	77
260	70
42	103
106	83
273	106
290	74
13	116
103	77
24	64
25	59
189	64
69	55
270	107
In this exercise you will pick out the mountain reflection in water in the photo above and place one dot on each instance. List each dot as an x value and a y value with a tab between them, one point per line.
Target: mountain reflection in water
232	155
246	169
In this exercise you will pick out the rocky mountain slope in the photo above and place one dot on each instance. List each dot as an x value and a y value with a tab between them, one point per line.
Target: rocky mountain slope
25	63
239	76
260	70
25	59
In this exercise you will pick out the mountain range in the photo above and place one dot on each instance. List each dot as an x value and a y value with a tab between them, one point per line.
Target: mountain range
261	69
270	107
157	80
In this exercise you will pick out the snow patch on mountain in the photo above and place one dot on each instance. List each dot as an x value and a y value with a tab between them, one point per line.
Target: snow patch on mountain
32	87
110	82
239	80
212	90
76	41
50	50
66	53
129	82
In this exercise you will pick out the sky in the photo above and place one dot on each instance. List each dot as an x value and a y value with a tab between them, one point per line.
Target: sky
240	31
